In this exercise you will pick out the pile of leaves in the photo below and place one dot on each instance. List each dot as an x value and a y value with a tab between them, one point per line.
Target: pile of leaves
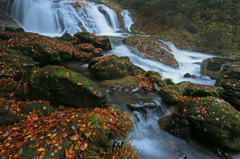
71	133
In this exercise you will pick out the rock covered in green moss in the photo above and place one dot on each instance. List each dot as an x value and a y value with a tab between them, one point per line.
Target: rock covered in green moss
60	85
155	77
66	37
11	29
12	67
82	56
174	93
38	108
7	118
152	49
102	42
215	120
212	66
229	79
110	67
42	49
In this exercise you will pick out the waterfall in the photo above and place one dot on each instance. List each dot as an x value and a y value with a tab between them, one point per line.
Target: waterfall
57	17
128	21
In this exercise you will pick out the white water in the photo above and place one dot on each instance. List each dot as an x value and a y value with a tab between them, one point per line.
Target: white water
54	18
185	59
128	21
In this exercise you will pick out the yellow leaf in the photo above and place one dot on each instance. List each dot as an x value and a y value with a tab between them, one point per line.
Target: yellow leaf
49	135
217	119
85	145
41	149
44	107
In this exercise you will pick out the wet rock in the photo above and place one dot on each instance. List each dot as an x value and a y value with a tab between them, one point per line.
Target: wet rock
176	124
142	107
42	49
152	49
82	56
7	118
174	94
155	77
229	79
106	15
66	37
188	75
37	108
12	68
63	86
86	47
110	67
215	120
102	42
20	30
211	66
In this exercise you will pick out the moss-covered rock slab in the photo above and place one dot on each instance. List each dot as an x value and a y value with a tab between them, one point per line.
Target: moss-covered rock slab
42	49
214	119
110	67
82	56
102	42
38	108
229	79
60	85
7	117
152	49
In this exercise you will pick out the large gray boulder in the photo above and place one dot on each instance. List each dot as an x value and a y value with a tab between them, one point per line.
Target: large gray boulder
60	85
229	79
211	66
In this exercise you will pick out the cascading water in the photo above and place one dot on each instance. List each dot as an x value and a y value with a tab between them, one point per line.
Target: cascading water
57	17
128	21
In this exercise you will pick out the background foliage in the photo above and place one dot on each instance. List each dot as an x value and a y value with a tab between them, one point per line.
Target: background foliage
215	22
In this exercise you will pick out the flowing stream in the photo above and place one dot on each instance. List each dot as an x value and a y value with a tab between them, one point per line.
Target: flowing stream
53	18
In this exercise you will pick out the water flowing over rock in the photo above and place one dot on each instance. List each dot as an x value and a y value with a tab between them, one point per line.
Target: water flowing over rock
57	17
127	19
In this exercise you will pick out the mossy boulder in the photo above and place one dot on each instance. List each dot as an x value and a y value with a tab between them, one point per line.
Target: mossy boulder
176	124
172	94
86	47
66	37
11	29
211	66
110	67
60	85
155	77
150	48
175	93
38	108
7	117
82	56
229	79
12	67
215	120
42	49
102	42
201	90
